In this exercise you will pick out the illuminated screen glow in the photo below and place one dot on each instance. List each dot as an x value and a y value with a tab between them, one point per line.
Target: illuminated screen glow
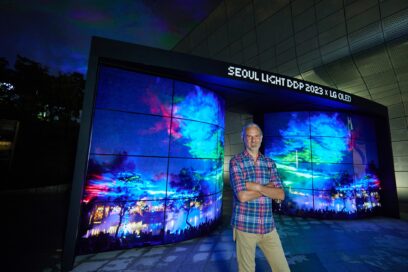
155	167
328	162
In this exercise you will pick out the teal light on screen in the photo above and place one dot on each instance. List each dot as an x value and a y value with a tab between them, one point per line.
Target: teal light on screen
155	170
327	160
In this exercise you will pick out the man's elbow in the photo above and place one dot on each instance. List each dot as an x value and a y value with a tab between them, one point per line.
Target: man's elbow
242	197
281	195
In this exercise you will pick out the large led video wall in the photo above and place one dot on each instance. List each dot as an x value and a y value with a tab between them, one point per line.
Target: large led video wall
328	162
155	165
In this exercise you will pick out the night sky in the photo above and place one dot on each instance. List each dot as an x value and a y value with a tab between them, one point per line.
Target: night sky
57	33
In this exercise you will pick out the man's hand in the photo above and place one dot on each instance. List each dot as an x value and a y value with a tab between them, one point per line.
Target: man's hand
270	185
251	193
253	186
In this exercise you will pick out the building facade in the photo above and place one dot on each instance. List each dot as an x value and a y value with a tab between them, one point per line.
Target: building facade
358	47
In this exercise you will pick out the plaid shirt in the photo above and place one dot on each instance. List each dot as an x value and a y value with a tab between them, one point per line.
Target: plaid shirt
254	216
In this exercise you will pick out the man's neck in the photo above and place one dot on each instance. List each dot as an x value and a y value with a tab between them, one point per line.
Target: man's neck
254	153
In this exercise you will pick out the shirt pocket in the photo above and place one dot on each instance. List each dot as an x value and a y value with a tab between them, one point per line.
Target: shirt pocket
266	173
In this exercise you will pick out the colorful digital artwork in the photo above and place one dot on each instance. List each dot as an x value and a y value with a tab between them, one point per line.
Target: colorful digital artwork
155	167
328	162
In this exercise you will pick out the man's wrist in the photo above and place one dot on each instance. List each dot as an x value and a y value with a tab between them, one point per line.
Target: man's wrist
253	186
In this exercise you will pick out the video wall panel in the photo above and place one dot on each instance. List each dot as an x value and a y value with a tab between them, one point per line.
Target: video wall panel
328	162
117	132
155	166
190	217
121	90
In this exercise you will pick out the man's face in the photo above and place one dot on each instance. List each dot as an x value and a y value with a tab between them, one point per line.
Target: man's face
253	139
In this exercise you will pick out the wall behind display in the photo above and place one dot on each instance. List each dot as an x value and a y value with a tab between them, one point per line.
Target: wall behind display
155	167
327	160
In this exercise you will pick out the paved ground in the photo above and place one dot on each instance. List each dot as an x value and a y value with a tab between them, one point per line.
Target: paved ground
35	235
378	244
375	244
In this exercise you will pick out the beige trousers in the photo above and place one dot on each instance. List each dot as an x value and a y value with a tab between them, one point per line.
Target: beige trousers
270	245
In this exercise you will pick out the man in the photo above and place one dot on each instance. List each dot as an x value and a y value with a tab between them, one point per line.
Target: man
255	182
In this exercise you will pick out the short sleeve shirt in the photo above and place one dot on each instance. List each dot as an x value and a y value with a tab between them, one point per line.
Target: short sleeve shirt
253	216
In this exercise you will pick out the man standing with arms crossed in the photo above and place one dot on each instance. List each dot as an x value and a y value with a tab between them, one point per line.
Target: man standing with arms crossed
255	182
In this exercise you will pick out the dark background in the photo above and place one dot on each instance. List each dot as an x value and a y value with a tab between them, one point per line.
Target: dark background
43	57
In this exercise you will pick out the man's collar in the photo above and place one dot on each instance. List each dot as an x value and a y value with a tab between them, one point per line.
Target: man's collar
246	153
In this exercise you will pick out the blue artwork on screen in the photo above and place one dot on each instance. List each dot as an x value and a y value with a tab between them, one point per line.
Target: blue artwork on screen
296	124
192	177
193	102
155	167
297	149
328	162
298	200
125	178
186	218
124	90
196	140
296	174
118	132
327	176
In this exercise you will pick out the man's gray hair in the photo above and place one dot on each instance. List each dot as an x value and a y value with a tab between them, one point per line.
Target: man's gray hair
248	126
